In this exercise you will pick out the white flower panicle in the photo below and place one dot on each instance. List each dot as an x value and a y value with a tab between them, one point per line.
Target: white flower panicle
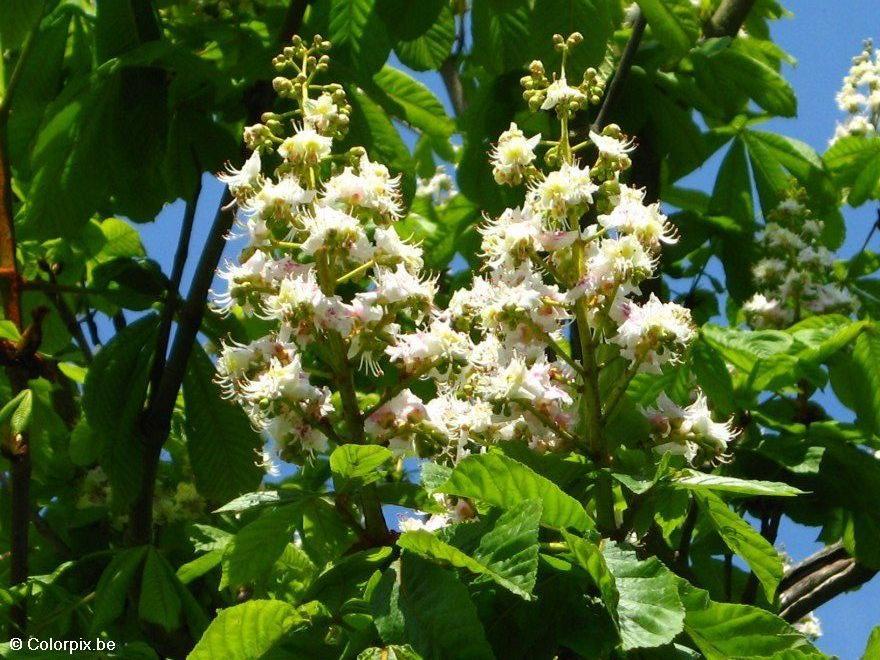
794	278
859	97
348	299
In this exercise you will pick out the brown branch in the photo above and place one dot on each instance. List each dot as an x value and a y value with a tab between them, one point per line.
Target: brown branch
728	18
819	579
621	73
172	295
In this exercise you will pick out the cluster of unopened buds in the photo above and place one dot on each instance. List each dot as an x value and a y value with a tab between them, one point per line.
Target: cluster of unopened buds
348	299
860	95
794	277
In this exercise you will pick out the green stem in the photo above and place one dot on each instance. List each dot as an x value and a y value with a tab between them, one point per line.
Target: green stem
364	267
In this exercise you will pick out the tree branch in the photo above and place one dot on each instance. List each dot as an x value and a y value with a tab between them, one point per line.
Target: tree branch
172	295
728	18
621	73
156	420
819	579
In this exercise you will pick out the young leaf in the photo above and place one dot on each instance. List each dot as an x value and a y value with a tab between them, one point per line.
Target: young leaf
359	463
503	482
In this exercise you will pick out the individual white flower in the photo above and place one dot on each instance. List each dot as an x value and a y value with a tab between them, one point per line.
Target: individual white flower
300	303
332	230
512	155
559	92
619	261
809	626
534	384
769	269
247	178
632	216
404	410
511	238
440	187
401	286
286	380
383	190
422	522
562	191
610	146
690	431
763	312
654	333
305	147
391	250
282	197
459	419
829	298
438	343
777	236
321	113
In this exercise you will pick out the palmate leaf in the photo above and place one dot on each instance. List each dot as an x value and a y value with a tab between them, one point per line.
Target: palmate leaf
413	102
220	440
503	482
246	631
422	604
359	36
854	162
744	540
507	553
159	601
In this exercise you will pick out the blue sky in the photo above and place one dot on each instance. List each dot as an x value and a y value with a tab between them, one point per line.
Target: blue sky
823	35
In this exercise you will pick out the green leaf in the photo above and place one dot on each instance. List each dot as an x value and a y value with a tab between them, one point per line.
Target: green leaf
17	17
113	586
649	611
419	603
414	103
371	125
246	631
699	481
872	650
192	570
427	545
507	554
423	32
864	377
250	501
159	602
221	443
732	197
358	463
674	23
729	630
736	69
594	19
501	28
358	35
113	399
503	482
255	548
853	161
744	540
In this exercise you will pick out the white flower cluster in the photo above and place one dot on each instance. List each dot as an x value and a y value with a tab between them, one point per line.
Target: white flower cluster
860	95
793	277
349	302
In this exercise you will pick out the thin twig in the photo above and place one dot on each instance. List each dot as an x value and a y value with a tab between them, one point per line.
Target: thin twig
620	75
